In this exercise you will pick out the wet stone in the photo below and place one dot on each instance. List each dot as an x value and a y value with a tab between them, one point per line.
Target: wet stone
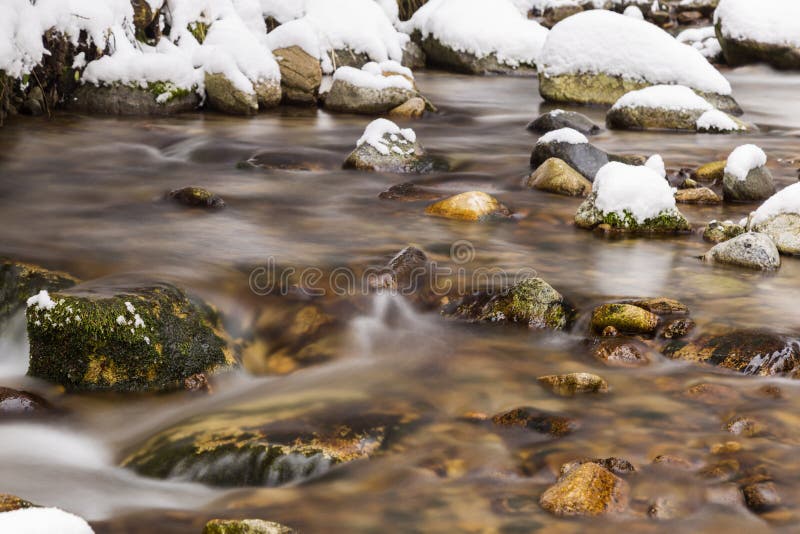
196	197
626	318
527	418
745	426
18	281
573	383
698	195
660	305
555	176
710	172
15	403
749	250
585	158
717	232
245	526
9	503
409	192
586	490
710	393
469	206
618	466
761	495
678	328
620	353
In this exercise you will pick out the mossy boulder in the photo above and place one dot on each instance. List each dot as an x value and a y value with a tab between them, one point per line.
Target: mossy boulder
18	281
245	526
441	55
570	384
122	337
625	318
254	445
556	176
670	221
531	302
301	75
196	197
740	51
749	250
531	419
583	157
757	185
587	489
751	352
784	230
401	156
558	118
469	206
346	97
652	118
719	231
606	89
223	95
120	99
710	172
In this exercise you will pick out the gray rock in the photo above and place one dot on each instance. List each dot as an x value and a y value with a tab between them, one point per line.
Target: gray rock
413	56
784	229
301	75
757	185
440	55
346	97
751	250
408	158
558	118
121	99
743	51
583	157
223	96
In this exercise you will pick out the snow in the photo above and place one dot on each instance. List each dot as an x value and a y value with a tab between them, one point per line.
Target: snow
600	41
379	128
283	10
656	163
359	25
563	135
371	77
481	28
671	97
717	120
638	190
388	67
704	40
786	200
743	159
634	12
765	21
42	521
42	301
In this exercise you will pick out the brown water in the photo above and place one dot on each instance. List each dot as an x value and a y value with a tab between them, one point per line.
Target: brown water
81	194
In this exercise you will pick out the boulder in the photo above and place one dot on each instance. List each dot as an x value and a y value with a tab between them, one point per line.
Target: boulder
558	118
18	281
345	96
531	302
385	147
587	489
555	176
719	231
245	526
573	149
625	318
196	197
120	99
750	352
757	185
469	206
670	221
301	75
223	95
413	108
122	336
751	250
570	384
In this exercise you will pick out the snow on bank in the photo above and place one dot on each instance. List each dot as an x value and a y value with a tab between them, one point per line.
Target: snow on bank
563	135
43	521
361	26
743	159
786	200
600	41
376	76
633	189
671	97
765	21
716	120
481	28
379	128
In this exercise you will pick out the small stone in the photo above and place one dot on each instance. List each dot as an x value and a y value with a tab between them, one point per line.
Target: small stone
710	393
469	206
678	328
717	232
555	176
618	466
626	318
196	197
532	419
569	384
610	331
672	461
585	158
711	172
413	108
725	448
586	490
620	353
197	382
723	470
745	426
346	97
245	526
14	403
699	195
557	119
761	496
750	250
409	192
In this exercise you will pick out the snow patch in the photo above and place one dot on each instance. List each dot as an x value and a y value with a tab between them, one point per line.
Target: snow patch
42	301
743	159
371	77
671	97
717	120
637	190
43	521
786	200
379	128
765	21
563	135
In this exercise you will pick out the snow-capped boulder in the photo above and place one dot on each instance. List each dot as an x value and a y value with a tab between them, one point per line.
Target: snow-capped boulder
632	199
704	40
301	75
779	218
572	147
477	37
385	147
558	118
669	107
373	89
342	33
750	250
767	30
597	56
746	176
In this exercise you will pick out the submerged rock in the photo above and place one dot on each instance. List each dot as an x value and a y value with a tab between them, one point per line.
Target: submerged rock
531	302
196	197
301	75
250	446
558	118
750	352
224	96
587	489
760	494
625	318
555	176
125	337
527	418
385	147
719	231
18	281
569	384
245	526
620	352
571	147
409	192
469	206
751	250
14	402
409	273
120	99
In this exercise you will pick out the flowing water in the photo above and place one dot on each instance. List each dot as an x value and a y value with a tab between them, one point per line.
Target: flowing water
83	195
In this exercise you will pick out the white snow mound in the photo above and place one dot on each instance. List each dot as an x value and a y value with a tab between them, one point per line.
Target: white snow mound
743	159
635	189
379	128
671	97
371	76
765	21
717	120
42	521
786	200
563	135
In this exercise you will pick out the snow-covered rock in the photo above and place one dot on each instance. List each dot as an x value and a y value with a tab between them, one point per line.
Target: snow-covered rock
344	32
767	30
375	88
572	147
779	218
746	176
42	521
385	147
668	107
750	250
631	199
597	56
704	40
476	36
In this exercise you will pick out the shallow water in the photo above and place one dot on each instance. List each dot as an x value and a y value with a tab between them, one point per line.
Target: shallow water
83	195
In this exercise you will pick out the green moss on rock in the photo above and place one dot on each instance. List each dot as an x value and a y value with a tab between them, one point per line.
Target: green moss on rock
130	339
625	318
18	281
669	221
245	526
